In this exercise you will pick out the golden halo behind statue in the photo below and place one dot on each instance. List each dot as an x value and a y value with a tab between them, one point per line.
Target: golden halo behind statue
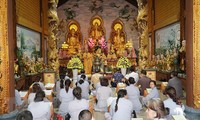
118	26
96	21
73	26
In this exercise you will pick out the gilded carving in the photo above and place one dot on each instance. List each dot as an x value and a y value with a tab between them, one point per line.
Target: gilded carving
196	53
4	84
53	62
142	19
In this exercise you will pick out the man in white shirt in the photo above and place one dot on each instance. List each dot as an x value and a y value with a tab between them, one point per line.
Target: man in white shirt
82	73
132	74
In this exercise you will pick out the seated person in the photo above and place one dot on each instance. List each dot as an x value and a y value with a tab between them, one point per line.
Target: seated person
35	88
103	93
24	115
83	73
85	115
134	95
156	110
173	102
176	83
77	105
143	82
65	97
117	77
154	94
95	78
84	85
122	108
40	110
39	81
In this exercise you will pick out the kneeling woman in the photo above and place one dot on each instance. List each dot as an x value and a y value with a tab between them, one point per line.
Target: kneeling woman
122	108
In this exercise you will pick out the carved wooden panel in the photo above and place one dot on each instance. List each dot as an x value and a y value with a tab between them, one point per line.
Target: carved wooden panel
196	53
4	71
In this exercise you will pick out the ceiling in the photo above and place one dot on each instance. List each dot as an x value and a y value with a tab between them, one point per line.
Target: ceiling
133	2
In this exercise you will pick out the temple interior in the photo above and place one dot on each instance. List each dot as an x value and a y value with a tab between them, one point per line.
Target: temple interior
104	47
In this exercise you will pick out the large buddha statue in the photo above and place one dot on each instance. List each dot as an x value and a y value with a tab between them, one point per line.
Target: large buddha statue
97	30
118	37
73	39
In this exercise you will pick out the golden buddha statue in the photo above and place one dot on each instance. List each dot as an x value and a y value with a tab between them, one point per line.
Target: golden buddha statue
73	39
96	31
118	37
111	54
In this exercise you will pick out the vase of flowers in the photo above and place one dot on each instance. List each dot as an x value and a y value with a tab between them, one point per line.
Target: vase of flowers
75	64
123	63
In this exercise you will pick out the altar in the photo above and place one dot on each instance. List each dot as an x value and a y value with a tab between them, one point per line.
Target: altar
96	52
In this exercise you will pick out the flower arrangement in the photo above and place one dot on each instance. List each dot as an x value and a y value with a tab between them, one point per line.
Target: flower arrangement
99	42
123	62
75	63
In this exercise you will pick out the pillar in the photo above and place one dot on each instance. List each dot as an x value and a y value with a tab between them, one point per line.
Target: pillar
7	101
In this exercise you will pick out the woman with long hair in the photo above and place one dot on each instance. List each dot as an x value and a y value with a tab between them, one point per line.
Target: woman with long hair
173	102
121	108
65	97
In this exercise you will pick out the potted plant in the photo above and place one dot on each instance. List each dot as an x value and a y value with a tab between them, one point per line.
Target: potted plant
123	63
75	64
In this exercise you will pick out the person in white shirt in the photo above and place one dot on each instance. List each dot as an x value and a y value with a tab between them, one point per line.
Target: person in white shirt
39	81
65	97
156	110
154	94
35	88
77	105
103	93
95	79
122	108
82	73
18	101
173	102
132	74
134	95
40	110
84	85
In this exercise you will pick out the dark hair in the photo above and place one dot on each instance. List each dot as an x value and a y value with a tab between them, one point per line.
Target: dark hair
153	81
103	81
67	85
39	96
171	92
157	106
85	115
24	115
121	93
131	80
82	71
36	87
62	83
37	78
77	93
144	72
132	69
81	81
174	73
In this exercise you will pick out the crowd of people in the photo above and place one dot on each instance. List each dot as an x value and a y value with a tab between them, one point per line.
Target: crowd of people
74	102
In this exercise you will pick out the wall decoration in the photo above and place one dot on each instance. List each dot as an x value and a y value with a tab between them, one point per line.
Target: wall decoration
167	38
28	42
49	77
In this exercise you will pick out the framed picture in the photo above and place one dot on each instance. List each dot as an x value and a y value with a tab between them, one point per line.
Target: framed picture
49	77
29	42
167	38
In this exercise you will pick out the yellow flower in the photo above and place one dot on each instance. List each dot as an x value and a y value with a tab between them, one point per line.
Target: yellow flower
123	62
75	63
